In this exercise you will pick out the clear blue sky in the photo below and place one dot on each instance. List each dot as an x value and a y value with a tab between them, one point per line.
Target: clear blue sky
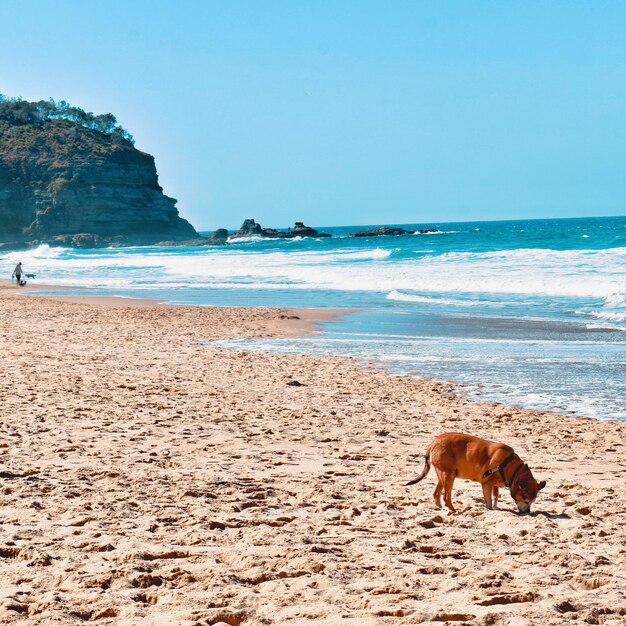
346	112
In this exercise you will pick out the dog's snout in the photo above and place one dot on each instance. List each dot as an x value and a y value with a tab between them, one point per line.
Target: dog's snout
523	507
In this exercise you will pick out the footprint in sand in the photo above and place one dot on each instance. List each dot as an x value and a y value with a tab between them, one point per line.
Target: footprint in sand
453	617
516	598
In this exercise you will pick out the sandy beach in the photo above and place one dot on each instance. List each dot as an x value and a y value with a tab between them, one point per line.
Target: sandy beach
148	479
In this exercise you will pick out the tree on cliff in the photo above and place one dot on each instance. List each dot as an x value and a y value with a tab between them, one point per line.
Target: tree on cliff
16	111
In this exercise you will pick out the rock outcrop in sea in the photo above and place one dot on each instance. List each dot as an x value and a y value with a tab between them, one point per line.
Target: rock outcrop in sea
250	228
218	236
388	230
71	178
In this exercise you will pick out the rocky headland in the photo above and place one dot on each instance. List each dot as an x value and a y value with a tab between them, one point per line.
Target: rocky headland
72	178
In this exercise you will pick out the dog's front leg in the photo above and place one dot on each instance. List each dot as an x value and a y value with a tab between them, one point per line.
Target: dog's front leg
496	494
487	495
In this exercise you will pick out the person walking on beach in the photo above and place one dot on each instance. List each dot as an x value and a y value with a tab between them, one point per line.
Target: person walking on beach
17	272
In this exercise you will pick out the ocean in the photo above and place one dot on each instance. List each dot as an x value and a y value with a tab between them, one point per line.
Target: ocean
529	312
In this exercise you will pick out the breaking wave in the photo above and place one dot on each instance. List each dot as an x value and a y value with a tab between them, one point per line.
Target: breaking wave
574	273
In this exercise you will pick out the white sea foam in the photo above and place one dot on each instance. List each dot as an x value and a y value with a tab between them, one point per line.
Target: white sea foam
535	272
407	297
437	232
600	326
250	239
376	253
584	273
608	316
615	300
613	310
40	253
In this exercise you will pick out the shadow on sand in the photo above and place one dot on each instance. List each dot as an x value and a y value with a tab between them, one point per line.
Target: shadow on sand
550	515
13	475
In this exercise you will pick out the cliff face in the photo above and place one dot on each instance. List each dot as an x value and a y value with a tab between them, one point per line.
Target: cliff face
59	179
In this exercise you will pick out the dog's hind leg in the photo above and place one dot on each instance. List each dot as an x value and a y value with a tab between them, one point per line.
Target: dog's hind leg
495	493
447	480
487	495
437	493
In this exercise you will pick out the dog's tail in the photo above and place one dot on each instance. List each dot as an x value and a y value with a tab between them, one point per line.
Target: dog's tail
424	471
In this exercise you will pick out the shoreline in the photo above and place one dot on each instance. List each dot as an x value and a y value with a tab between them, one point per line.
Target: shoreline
148	477
303	322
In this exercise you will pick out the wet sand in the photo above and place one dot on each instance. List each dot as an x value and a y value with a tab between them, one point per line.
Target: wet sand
149	479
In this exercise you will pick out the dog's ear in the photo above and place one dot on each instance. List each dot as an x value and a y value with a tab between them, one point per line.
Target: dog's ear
541	485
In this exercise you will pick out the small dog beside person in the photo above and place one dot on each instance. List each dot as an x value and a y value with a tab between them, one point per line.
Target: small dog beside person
19	273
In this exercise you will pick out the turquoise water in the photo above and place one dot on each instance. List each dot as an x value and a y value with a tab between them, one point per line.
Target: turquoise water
526	312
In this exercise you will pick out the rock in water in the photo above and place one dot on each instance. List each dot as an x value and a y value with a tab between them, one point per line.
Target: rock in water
251	228
71	178
389	230
218	236
383	230
300	230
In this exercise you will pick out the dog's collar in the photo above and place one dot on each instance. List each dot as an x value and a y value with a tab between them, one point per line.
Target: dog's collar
500	469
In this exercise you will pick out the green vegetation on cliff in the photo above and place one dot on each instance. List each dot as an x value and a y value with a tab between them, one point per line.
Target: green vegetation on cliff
17	112
56	132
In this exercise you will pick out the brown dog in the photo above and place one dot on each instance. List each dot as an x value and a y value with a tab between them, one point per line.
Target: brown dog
494	465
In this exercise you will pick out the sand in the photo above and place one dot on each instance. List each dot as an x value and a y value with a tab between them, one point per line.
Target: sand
149	479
